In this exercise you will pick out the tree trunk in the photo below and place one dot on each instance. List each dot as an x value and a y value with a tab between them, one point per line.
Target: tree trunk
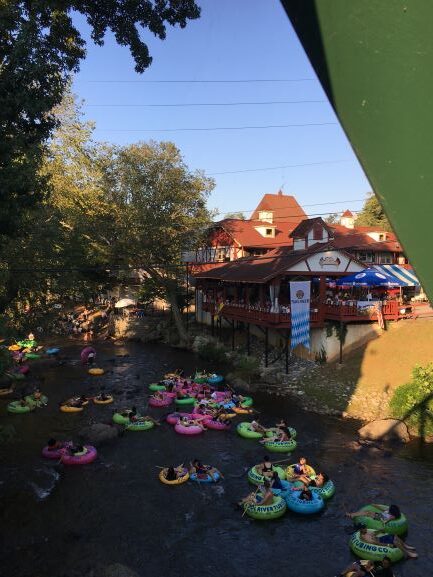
177	316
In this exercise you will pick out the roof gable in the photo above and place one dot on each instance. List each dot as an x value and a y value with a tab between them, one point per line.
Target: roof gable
286	208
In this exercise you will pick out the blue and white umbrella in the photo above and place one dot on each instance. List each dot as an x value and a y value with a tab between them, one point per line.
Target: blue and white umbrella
370	277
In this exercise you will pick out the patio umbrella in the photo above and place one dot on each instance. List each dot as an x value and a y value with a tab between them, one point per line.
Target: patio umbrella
124	303
370	277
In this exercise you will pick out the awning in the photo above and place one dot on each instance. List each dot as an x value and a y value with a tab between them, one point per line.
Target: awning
403	274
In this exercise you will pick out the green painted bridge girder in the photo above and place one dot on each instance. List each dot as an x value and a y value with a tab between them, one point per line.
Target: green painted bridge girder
374	59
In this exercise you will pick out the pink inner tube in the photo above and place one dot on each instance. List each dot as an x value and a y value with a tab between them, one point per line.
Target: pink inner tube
220	395
216	425
193	430
170	395
85	353
24	369
173	418
89	457
57	453
160	402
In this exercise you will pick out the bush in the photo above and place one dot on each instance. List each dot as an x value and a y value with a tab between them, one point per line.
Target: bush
413	402
209	350
246	368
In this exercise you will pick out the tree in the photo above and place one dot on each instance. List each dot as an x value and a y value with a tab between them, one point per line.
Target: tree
372	214
332	218
40	47
67	236
160	211
235	216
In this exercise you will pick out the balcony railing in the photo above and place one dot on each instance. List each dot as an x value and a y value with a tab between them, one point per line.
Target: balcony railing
391	310
251	314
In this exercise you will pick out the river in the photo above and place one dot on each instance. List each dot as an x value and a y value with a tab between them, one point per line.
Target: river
61	522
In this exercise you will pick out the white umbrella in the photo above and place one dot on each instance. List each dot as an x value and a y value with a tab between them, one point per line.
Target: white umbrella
124	303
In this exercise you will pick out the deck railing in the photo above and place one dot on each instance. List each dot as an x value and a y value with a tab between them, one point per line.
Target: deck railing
391	310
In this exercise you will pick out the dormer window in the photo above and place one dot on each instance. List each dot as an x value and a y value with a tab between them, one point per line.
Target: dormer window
266	216
269	232
382	236
317	231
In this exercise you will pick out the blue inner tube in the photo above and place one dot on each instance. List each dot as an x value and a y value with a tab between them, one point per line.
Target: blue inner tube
215	380
287	486
53	351
294	503
207	479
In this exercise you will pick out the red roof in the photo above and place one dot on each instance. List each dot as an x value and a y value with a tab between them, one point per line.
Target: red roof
348	214
362	241
261	269
306	225
245	234
284	207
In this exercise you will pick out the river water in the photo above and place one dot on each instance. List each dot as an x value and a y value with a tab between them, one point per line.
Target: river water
61	522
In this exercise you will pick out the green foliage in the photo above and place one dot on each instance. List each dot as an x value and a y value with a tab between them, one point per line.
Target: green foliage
332	218
373	214
211	352
235	215
339	329
40	47
321	357
413	402
246	368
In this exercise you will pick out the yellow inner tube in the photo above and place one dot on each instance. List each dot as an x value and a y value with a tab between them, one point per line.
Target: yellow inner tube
96	371
106	402
290	471
69	409
243	410
178	481
14	348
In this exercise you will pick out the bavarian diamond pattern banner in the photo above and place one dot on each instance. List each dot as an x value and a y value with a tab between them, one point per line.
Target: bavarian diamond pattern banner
300	309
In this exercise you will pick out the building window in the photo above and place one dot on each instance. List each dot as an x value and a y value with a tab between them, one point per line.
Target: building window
222	254
269	232
365	256
385	258
317	232
382	236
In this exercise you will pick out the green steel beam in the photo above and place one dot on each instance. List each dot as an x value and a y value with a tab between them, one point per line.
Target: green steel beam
374	59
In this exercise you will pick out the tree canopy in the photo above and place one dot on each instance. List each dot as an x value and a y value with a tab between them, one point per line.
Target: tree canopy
372	214
40	47
114	212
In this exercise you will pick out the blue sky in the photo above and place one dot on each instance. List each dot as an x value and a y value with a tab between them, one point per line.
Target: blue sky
235	40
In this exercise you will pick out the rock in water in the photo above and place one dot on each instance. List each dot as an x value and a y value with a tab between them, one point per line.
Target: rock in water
385	430
98	434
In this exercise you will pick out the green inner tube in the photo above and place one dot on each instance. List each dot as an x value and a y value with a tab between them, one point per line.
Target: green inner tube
200	380
257	478
272	430
32	356
26	344
247	402
185	401
39	402
266	512
15	407
280	446
140	426
395	526
327	491
120	419
374	552
244	430
155	387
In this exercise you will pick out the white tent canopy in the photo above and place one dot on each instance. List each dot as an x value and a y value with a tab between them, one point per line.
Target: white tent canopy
124	303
